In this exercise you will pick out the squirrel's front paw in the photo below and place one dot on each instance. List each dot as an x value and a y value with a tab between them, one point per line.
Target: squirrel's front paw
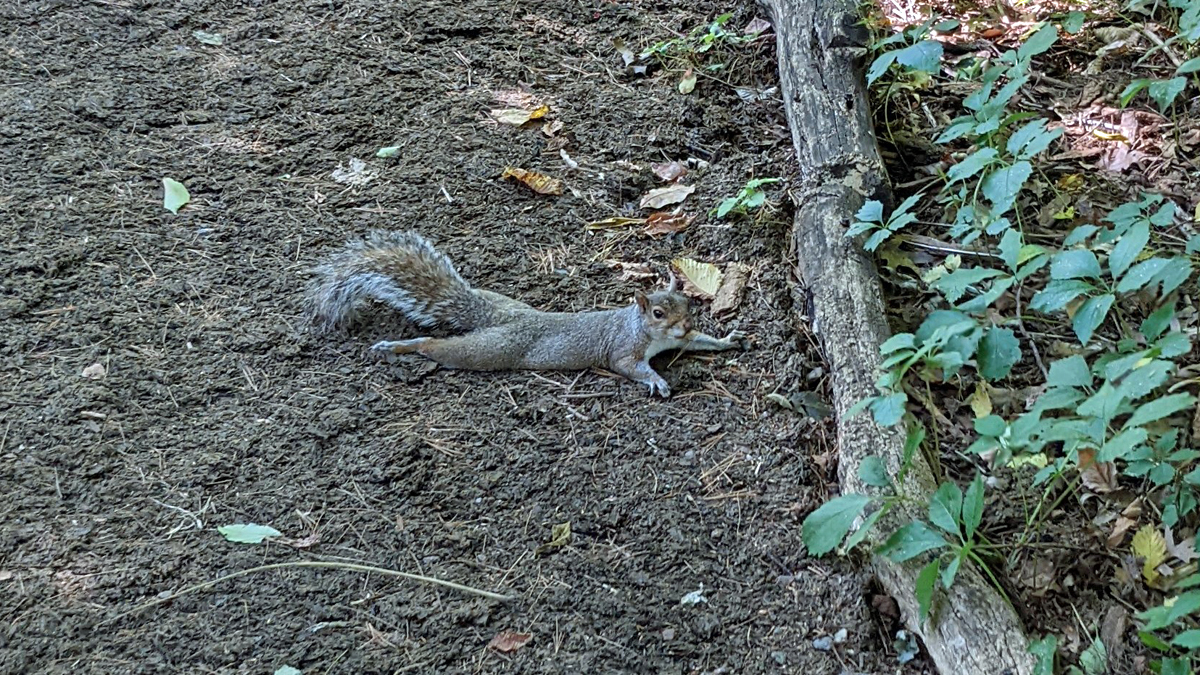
737	338
659	387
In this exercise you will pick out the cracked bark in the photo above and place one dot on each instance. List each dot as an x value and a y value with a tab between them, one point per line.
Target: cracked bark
971	628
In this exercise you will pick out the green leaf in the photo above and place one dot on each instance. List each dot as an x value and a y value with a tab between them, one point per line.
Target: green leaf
998	352
877	238
854	230
1164	91
925	56
1038	42
871	212
1104	404
1079	235
1179	666
1189	66
1094	659
1128	248
992	425
951	570
248	534
897	342
889	410
1057	294
1010	249
1074	22
1173	274
1159	321
389	151
945	508
1132	90
957	129
1090	315
826	527
1069	372
1145	379
955	284
1174	344
971	165
911	541
1121	445
972	512
1140	274
727	205
1159	408
1001	186
1074	264
873	471
1044	649
287	670
1153	641
175	195
863	530
924	590
880	66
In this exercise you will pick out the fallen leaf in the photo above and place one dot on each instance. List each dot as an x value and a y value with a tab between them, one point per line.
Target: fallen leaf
1100	478
1120	529
729	296
513	116
1149	545
537	182
614	222
1106	136
1184	551
95	371
757	25
175	195
663	222
981	402
632	271
992	33
355	173
749	95
688	83
539	112
214	39
669	171
303	542
287	670
389	151
552	127
517	98
704	278
695	597
1037	574
509	641
560	535
665	196
248	533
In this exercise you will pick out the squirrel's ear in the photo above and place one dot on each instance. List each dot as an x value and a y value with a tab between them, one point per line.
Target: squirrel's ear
642	301
674	284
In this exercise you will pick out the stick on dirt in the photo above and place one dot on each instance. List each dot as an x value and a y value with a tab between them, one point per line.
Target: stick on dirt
971	630
312	563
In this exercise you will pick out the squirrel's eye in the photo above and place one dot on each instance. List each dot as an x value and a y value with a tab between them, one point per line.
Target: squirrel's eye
658	313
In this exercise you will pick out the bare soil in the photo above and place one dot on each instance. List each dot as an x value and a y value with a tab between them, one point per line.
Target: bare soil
217	405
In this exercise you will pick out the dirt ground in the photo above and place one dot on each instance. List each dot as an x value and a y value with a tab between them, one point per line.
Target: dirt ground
217	405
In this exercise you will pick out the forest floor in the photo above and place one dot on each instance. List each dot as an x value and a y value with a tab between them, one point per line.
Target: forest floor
157	380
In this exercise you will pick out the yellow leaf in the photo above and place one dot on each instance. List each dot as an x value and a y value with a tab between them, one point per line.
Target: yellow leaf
560	535
614	222
539	112
1038	460
981	403
537	182
1071	182
1149	545
706	277
1106	136
513	116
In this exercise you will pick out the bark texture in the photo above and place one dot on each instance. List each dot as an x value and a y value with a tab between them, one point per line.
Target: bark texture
971	630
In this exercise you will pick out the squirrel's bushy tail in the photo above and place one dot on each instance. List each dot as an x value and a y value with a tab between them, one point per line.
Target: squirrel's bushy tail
403	271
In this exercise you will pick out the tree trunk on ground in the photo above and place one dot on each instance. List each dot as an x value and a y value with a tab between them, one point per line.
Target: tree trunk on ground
971	629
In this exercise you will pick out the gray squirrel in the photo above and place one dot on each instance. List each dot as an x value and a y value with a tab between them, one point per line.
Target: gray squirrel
492	331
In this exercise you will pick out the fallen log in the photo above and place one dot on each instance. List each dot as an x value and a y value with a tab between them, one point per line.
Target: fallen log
972	629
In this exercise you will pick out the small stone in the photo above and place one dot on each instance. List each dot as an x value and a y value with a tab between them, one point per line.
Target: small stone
95	371
823	644
840	636
668	633
780	657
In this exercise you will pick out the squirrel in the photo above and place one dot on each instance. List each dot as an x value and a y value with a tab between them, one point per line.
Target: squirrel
491	331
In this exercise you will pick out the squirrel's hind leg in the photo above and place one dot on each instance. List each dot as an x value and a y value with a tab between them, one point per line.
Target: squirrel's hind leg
400	346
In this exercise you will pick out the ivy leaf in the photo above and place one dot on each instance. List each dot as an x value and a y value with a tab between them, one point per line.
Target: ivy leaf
1174	344
1140	274
1104	404
951	571
1159	408
945	508
1121	445
1164	91
1045	649
1074	264
971	165
1179	666
880	65
1069	372
1094	659
999	351
911	541
877	238
1010	248
1039	42
1128	248
1132	90
1158	322
871	212
991	425
1188	639
955	284
1090	315
1001	186
826	527
897	342
957	129
889	410
1074	22
925	586
972	513
925	56
873	471
1189	66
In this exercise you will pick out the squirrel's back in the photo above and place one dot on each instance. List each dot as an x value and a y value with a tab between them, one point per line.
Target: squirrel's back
402	270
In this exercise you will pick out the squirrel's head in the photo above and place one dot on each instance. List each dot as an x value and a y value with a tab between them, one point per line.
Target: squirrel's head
666	313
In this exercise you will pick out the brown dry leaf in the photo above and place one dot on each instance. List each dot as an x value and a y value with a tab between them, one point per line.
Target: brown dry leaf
632	271
729	295
1184	551
757	25
688	83
1037	574
662	222
669	171
516	98
1120	529
537	182
95	371
615	222
303	542
665	196
508	641
992	33
551	128
1100	478
700	279
560	535
1196	414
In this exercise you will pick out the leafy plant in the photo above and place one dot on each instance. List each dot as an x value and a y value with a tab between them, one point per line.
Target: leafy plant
749	198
